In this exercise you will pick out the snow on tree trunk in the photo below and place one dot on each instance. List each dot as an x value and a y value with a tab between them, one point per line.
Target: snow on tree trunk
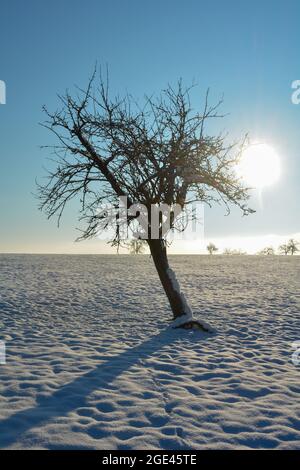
183	315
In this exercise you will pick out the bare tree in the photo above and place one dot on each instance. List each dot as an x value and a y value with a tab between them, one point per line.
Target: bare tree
284	249
269	250
211	248
136	247
158	153
292	246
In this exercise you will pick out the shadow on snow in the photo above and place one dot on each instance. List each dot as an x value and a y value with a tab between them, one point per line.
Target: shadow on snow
73	395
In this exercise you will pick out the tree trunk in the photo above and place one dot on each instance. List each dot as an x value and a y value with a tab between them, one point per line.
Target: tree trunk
167	277
183	315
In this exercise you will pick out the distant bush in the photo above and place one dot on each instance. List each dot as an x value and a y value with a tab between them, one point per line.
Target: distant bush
269	250
136	247
211	248
229	251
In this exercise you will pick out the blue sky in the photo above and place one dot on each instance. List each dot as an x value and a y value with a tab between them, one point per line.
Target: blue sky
246	50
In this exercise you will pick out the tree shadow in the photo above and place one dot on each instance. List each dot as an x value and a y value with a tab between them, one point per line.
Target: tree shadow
73	395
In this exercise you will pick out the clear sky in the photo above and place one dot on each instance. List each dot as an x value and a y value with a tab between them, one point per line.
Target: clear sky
247	50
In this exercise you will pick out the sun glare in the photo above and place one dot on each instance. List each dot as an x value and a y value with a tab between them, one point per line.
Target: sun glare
259	166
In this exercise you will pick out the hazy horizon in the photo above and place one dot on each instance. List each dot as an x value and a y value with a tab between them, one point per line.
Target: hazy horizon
251	245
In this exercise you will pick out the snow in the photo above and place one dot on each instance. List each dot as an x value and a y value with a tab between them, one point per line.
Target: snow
92	363
182	319
187	315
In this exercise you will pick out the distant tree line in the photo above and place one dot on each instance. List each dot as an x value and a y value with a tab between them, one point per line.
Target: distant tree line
229	251
289	248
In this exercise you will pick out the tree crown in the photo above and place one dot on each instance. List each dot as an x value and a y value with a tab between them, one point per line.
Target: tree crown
157	153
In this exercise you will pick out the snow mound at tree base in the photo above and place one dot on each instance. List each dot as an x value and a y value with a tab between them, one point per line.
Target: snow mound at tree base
189	323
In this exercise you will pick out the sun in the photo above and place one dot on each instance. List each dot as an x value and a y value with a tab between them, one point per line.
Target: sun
259	166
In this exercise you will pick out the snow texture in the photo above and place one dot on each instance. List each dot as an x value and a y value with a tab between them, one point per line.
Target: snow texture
92	364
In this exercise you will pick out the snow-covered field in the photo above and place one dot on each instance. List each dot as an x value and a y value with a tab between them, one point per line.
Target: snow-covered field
91	363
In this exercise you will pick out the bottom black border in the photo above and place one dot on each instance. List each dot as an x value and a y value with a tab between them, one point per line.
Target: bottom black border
136	459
